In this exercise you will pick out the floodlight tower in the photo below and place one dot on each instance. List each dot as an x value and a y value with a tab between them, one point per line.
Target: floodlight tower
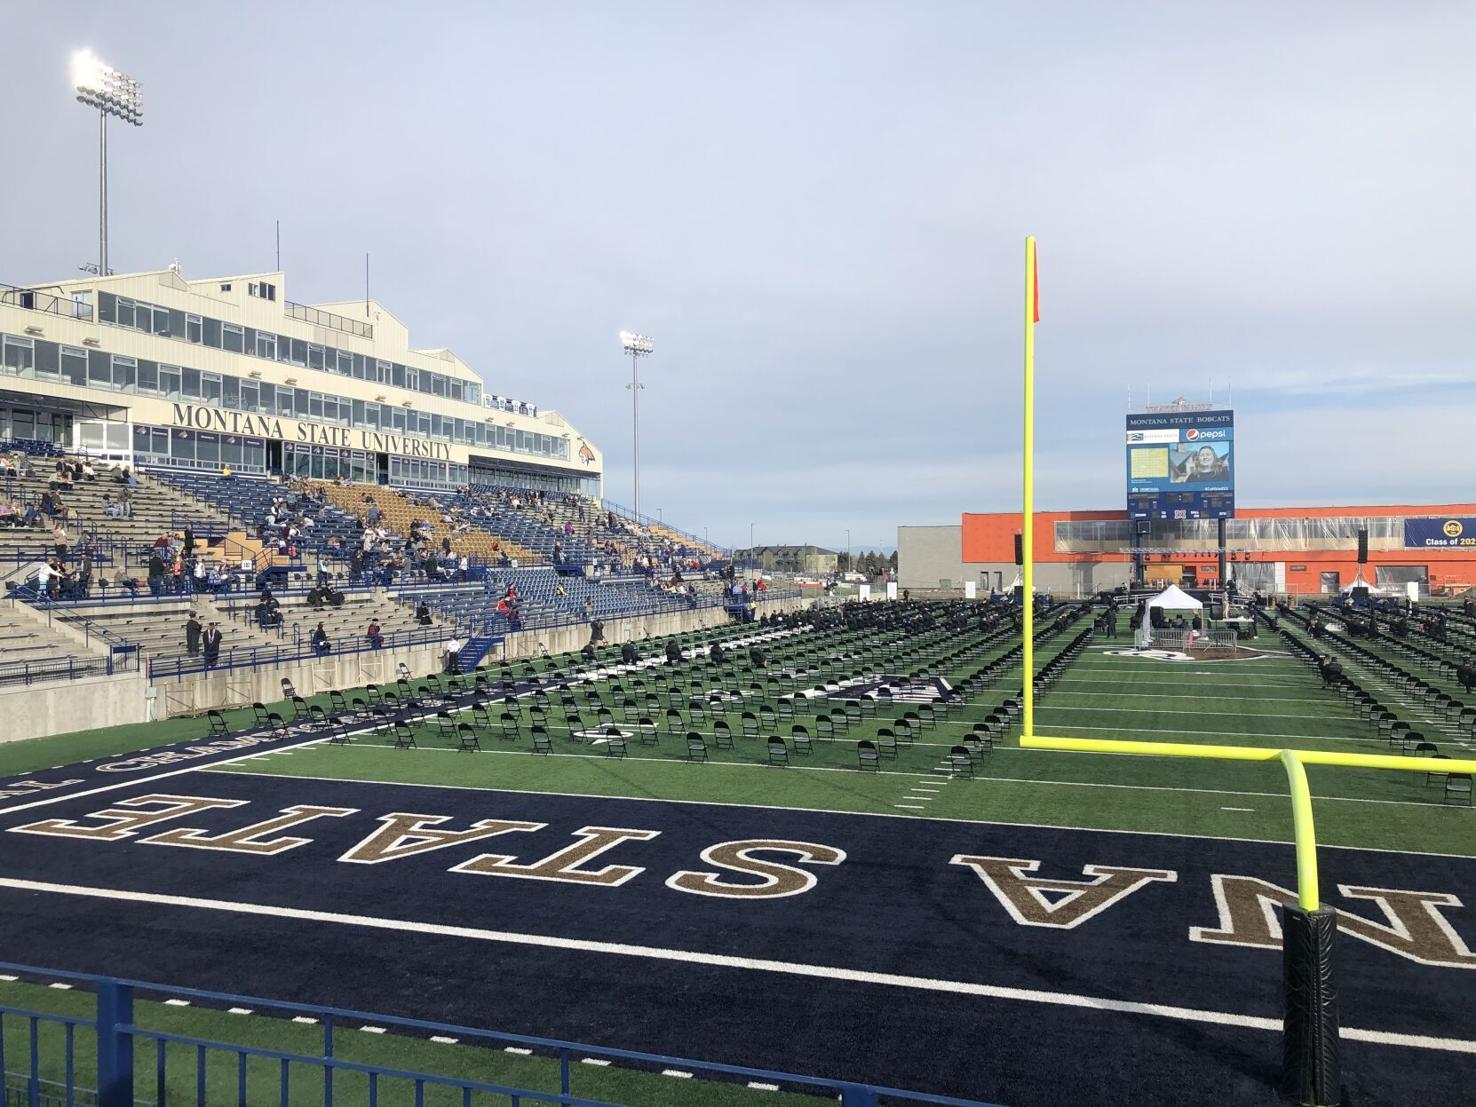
637	346
111	92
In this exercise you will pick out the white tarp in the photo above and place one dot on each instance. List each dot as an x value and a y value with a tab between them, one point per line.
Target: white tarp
1174	598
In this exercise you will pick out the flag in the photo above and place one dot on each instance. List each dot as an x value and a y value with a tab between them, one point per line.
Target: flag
1033	290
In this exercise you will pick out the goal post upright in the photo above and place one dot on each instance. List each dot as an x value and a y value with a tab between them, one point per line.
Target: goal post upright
1027	514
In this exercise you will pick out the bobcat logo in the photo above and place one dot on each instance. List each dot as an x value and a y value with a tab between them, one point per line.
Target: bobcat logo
1453	528
586	454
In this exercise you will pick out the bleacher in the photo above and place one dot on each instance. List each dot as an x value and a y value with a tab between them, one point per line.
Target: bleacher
32	652
247	502
156	509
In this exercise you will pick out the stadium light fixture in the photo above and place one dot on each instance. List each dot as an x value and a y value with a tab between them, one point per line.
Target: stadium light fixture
637	346
114	93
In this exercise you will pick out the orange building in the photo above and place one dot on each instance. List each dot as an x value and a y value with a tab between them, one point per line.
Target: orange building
1284	550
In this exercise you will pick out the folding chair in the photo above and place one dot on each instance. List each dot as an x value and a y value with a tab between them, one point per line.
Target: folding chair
541	742
645	729
1458	788
749	723
886	742
288	692
467	738
867	756
339	735
508	724
960	763
446	727
404	736
696	747
722	735
260	715
824	728
614	742
216	721
800	736
778	751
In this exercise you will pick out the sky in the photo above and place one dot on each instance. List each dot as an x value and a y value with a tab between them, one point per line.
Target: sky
817	210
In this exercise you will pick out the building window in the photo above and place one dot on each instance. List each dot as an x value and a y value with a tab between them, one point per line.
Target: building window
225	288
233	338
262	290
194	329
266	345
18	355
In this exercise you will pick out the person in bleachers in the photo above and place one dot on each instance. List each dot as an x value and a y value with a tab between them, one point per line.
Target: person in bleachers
210	644
315	598
374	636
87	471
156	572
192	635
321	644
10	514
422	614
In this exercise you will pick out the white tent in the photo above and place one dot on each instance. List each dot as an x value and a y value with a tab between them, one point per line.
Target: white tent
1174	598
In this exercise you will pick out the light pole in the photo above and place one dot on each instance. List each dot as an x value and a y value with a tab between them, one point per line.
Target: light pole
750	546
637	346
849	566
112	93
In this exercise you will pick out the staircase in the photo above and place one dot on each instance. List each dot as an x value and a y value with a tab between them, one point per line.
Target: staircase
475	649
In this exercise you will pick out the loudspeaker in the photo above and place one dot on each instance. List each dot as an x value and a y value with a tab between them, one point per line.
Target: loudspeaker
1362	546
1019	549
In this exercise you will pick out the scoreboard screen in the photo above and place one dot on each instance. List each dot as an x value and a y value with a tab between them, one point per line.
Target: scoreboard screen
1181	465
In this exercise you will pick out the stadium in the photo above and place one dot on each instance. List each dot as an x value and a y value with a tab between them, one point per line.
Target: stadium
360	749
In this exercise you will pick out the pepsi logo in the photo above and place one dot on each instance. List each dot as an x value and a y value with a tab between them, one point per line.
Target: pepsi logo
1191	434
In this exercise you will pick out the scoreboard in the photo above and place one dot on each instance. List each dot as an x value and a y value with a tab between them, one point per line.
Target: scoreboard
1181	465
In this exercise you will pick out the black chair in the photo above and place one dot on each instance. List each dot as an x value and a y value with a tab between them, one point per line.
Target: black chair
1458	788
541	742
800	736
446	727
508	724
404	736
960	763
867	755
467	740
614	742
336	702
260	716
778	751
696	747
886	742
216	721
722	735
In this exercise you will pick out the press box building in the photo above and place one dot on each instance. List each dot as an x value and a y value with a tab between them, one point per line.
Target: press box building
157	370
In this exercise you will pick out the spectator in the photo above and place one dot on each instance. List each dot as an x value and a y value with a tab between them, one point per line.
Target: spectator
321	644
156	572
125	503
422	614
374	635
453	654
210	640
192	635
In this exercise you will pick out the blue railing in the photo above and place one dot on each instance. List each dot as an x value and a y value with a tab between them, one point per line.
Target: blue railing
119	1038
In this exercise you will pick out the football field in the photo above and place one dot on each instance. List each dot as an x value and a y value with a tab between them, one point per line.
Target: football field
831	857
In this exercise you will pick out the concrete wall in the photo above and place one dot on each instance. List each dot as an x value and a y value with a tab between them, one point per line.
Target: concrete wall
928	555
63	706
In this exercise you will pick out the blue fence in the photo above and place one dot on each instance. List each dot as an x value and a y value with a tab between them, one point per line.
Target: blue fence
46	1074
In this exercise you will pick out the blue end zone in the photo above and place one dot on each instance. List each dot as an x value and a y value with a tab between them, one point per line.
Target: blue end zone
897	965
